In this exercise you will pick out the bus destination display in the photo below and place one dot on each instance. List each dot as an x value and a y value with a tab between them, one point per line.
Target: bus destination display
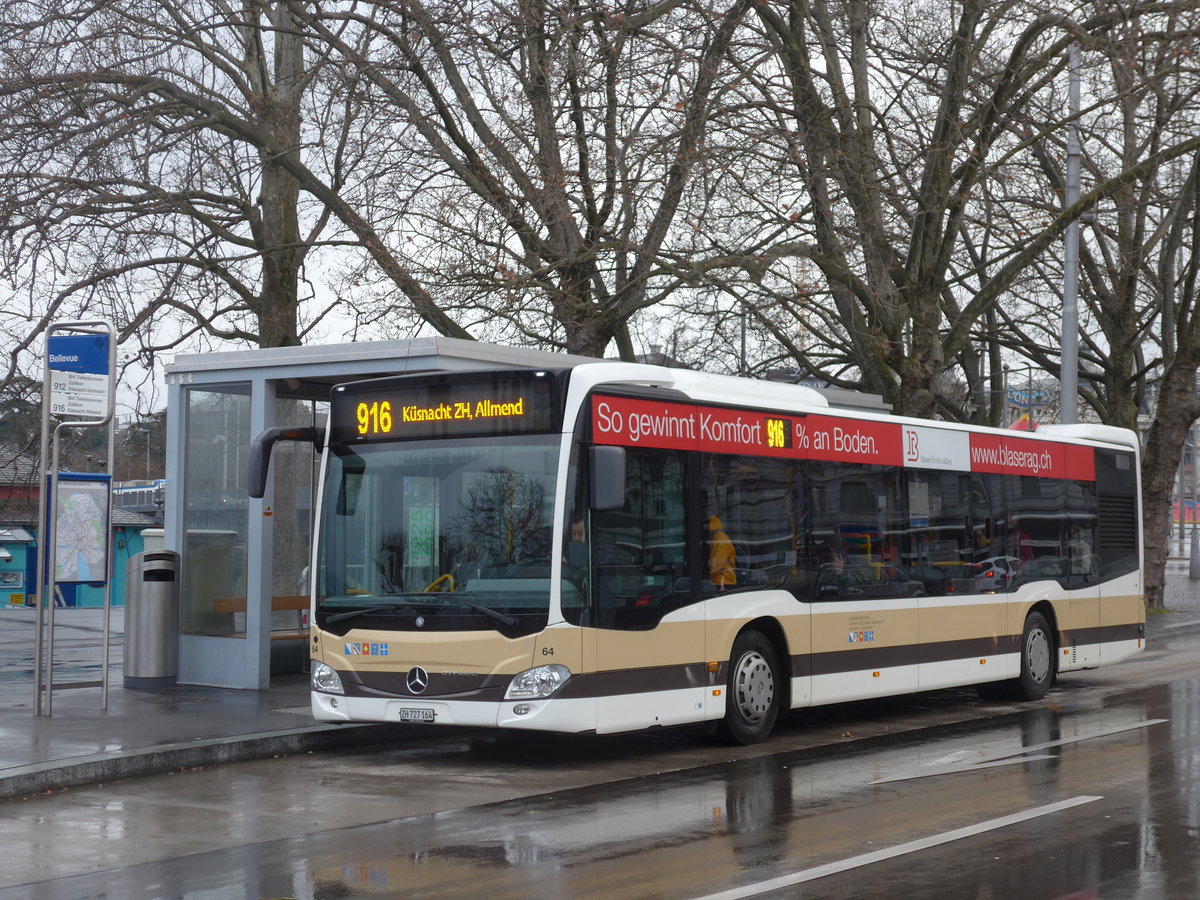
445	406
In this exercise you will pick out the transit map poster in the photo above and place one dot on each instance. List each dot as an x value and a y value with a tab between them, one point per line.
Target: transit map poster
81	531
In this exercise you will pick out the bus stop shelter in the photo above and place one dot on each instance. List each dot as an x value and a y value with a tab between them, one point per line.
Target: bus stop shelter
243	562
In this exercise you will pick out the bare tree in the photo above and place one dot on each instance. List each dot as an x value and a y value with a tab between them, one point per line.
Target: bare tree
1138	344
891	123
126	193
1178	401
549	154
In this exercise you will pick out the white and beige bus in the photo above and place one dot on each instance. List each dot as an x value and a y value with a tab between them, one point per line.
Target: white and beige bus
615	547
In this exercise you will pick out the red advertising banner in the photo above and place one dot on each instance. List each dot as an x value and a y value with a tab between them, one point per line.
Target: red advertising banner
1029	456
631	422
680	426
850	440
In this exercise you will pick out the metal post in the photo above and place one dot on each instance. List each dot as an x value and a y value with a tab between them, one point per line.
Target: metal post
51	539
1069	375
742	369
42	581
1029	397
1179	490
1004	417
110	556
1194	567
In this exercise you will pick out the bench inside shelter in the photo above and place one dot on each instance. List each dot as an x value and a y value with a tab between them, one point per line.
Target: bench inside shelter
289	614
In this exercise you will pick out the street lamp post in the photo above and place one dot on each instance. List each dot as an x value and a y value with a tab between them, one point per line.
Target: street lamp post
1069	377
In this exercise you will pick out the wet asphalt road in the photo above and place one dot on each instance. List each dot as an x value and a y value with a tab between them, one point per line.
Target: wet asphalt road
1092	793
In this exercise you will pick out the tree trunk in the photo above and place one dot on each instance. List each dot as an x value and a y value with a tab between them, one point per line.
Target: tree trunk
278	303
1178	408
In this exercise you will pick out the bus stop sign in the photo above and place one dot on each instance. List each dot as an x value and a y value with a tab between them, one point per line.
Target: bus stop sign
79	375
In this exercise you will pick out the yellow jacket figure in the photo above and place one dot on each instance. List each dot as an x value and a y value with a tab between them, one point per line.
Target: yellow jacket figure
721	555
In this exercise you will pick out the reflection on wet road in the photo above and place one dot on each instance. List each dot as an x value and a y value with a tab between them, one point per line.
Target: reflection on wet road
751	824
1088	795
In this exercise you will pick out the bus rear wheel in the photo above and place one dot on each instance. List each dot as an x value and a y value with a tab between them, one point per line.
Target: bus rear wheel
752	690
1037	658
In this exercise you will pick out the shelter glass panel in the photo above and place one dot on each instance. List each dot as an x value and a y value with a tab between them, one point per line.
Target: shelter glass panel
216	509
295	472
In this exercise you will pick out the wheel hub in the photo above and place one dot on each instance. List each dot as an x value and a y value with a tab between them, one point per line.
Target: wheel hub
754	687
1037	652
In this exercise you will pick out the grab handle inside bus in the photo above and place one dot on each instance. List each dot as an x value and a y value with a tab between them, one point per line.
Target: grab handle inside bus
260	452
608	477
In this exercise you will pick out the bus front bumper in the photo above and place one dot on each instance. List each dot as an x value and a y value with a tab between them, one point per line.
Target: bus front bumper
564	715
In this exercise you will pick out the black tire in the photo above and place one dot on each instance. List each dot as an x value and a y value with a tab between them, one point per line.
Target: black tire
1037	659
752	690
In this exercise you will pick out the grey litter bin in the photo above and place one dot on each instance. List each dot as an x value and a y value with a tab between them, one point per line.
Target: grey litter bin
152	619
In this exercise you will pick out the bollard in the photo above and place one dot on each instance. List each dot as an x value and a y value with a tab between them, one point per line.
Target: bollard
1194	570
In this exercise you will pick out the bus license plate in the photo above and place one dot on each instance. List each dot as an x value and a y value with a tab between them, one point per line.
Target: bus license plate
416	715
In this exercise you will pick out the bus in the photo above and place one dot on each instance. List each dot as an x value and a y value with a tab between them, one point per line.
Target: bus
616	547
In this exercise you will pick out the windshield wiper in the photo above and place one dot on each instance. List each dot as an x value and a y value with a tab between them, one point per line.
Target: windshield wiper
354	613
452	599
418	598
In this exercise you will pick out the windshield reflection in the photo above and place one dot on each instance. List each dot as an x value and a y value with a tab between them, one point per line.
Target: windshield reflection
460	527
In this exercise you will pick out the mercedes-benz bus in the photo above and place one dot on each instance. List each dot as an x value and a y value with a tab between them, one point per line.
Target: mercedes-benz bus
616	547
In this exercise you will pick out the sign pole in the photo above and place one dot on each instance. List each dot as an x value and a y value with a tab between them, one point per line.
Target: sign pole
41	583
79	391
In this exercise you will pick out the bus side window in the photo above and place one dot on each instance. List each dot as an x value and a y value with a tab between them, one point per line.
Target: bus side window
640	551
752	510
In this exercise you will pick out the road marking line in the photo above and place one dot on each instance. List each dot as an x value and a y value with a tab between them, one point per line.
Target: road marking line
867	859
1108	732
1018	755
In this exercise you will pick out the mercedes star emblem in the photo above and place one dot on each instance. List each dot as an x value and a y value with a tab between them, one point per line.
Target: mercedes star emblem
417	680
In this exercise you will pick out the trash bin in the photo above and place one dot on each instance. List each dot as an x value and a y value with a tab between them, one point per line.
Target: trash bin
152	620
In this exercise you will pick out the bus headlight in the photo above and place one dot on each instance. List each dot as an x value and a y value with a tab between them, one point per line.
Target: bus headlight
326	679
536	684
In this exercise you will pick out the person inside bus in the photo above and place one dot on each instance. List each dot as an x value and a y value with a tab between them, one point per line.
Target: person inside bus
1017	542
575	570
1083	561
722	558
832	575
576	552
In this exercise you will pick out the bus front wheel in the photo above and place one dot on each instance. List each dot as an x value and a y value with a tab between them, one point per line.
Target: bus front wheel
752	690
1037	658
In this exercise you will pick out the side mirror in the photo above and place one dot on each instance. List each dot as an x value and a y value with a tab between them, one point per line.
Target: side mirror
260	453
607	466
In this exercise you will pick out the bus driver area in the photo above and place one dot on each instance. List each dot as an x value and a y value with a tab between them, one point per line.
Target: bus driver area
629	547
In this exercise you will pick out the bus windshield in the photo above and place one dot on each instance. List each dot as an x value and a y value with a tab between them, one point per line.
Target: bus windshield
449	534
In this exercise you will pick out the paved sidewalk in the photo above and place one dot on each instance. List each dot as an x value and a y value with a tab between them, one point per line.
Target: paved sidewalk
142	732
148	732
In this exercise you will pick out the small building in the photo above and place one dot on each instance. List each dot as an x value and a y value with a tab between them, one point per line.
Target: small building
18	539
17	565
